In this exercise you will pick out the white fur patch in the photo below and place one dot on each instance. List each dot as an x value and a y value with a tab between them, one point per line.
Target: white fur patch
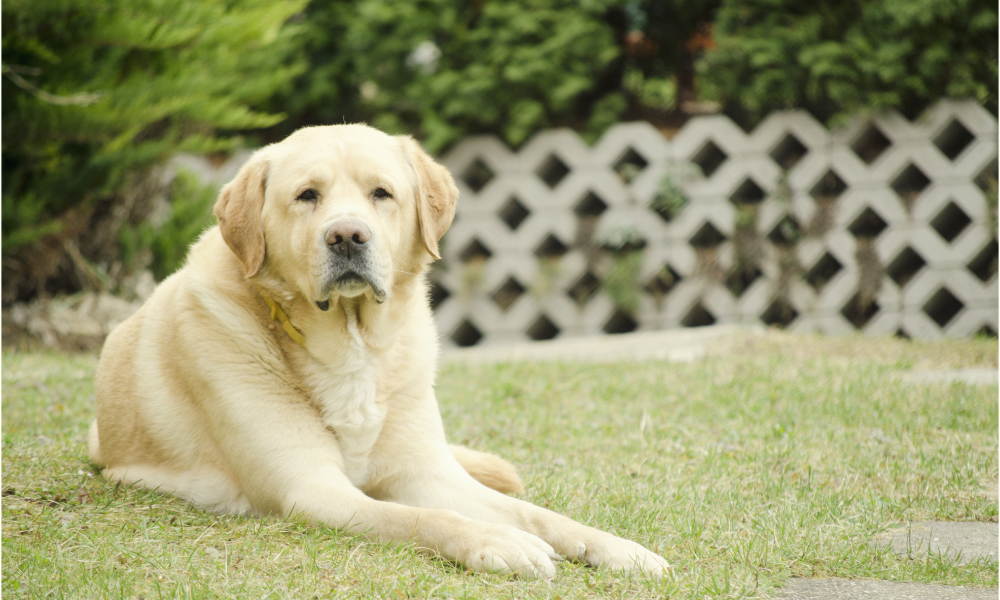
346	395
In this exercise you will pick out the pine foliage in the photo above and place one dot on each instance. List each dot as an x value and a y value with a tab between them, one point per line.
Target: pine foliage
96	93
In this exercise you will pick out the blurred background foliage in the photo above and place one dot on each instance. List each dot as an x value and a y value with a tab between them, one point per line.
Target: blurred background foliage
98	94
443	69
834	58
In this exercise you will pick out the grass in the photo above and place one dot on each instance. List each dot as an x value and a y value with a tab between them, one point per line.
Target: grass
778	456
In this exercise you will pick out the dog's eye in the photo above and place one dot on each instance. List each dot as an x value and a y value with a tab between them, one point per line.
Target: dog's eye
381	193
308	196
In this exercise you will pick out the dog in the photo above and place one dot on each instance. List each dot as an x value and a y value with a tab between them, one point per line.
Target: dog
288	367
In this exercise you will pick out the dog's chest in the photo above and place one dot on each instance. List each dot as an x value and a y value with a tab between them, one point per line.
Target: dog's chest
347	397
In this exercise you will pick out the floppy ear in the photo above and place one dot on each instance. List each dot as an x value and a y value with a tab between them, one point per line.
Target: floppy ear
239	209
436	195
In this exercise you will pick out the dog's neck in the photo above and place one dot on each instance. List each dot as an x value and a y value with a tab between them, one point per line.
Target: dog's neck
369	325
277	314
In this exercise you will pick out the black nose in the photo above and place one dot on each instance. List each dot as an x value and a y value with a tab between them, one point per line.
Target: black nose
348	236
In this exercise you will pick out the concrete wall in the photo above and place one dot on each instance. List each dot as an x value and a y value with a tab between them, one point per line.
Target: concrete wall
885	226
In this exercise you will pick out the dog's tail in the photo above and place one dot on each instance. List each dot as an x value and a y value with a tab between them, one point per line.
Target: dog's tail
489	470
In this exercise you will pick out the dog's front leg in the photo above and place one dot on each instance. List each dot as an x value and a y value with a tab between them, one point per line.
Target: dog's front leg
449	487
288	463
479	546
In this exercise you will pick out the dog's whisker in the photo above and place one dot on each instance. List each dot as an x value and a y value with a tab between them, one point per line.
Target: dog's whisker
398	258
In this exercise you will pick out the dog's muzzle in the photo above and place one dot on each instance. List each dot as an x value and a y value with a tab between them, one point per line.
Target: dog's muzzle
349	241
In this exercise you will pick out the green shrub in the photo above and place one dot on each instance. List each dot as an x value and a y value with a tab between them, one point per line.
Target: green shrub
622	281
837	57
669	200
443	69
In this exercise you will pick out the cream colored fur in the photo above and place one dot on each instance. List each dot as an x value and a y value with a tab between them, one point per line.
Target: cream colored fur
202	395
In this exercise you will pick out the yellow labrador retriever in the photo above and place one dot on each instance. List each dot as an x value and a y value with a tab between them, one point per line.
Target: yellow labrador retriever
289	367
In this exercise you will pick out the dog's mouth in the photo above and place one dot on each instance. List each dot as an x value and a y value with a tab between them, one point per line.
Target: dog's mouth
350	281
351	284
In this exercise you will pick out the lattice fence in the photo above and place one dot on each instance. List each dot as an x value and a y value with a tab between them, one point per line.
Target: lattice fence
886	226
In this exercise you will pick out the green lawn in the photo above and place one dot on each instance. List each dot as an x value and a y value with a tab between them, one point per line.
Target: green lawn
778	456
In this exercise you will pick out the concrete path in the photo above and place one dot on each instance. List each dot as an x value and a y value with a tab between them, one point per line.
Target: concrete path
861	589
967	376
676	345
968	542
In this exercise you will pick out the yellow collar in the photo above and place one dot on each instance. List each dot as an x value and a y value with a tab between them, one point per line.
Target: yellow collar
286	323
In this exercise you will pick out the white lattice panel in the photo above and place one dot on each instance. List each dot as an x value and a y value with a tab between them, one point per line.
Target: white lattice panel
898	209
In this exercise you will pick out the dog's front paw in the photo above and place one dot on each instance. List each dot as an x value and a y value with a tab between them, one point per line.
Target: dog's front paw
502	549
606	550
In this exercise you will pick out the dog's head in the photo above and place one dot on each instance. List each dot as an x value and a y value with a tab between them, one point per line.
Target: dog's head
339	210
